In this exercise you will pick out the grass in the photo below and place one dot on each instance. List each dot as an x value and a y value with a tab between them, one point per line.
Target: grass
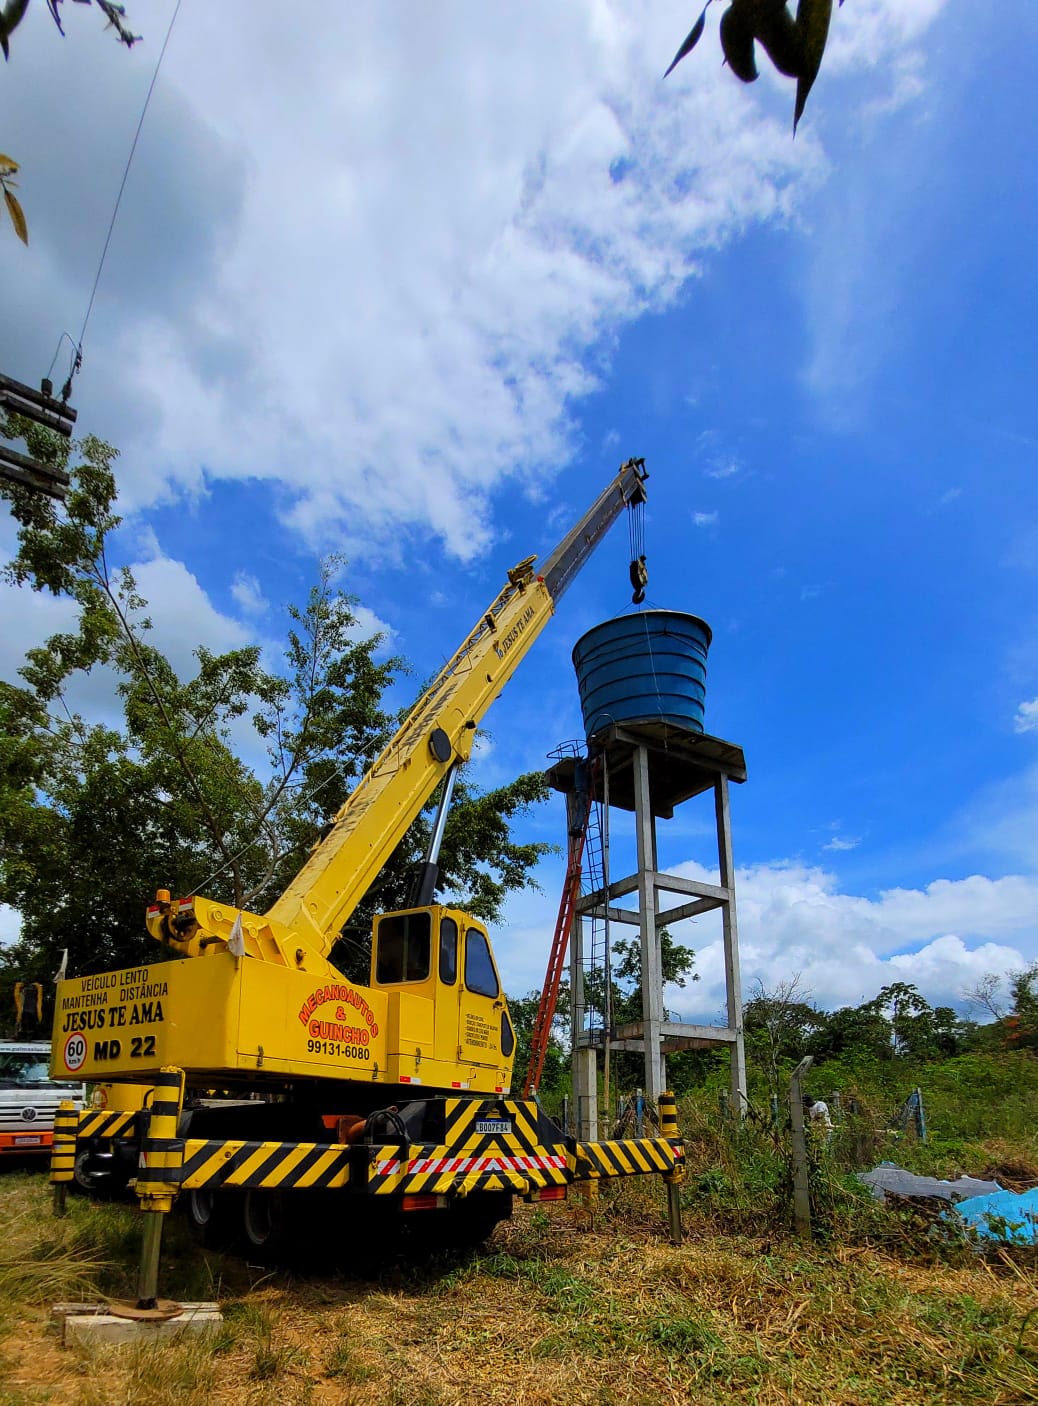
584	1302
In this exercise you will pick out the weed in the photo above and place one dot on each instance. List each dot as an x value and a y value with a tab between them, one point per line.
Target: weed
682	1335
341	1362
271	1356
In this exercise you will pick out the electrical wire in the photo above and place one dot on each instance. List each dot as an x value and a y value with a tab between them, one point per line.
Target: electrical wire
122	184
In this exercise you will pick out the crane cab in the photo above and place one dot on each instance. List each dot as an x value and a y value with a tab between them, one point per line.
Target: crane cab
447	1013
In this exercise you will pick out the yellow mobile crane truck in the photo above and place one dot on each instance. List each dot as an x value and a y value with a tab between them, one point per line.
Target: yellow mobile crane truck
386	1098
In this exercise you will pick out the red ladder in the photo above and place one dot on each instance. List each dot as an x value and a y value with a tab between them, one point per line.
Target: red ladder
557	960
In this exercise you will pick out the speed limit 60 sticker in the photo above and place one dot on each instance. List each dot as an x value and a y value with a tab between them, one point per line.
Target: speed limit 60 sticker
75	1053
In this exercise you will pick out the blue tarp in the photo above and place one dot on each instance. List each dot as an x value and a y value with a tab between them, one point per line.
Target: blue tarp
1009	1216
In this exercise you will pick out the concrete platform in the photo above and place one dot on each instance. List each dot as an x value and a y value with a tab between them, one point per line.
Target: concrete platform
86	1323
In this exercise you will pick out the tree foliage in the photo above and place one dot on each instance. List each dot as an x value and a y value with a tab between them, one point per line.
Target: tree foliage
169	788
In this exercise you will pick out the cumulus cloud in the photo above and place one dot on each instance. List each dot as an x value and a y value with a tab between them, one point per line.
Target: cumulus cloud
248	594
725	468
795	918
10	925
842	842
1026	719
299	292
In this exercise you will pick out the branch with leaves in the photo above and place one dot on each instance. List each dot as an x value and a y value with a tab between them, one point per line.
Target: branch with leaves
12	12
794	45
94	816
8	168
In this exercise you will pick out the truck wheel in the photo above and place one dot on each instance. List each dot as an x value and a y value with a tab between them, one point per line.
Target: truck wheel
263	1222
212	1217
471	1222
201	1209
83	1179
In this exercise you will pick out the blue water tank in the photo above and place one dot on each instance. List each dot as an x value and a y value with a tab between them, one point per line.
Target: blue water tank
649	667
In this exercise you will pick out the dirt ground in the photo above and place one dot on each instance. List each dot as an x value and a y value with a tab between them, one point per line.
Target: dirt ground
563	1305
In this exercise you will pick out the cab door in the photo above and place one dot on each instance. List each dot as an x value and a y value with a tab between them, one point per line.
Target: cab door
481	1004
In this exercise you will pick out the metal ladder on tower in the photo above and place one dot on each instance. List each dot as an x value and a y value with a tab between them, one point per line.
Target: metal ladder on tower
571	889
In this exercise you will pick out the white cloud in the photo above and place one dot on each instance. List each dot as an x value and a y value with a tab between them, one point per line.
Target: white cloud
842	842
10	925
1026	719
182	615
706	519
794	918
724	468
384	290
248	594
368	624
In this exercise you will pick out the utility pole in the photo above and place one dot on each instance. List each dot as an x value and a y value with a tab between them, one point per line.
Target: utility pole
40	407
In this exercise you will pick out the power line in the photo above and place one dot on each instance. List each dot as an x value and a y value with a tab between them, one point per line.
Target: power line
122	185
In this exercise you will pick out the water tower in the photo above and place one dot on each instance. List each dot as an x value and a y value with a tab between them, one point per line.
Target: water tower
642	681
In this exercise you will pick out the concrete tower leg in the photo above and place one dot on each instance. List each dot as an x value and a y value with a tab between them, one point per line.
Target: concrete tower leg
730	930
652	973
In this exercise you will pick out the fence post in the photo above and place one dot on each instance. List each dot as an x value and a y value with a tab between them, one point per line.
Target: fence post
801	1188
669	1129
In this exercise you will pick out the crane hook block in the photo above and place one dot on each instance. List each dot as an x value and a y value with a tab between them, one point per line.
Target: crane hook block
639	579
440	745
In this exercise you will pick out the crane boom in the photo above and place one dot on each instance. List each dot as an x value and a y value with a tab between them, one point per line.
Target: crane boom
439	729
303	924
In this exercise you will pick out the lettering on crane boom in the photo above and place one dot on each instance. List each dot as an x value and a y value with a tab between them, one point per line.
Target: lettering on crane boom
502	646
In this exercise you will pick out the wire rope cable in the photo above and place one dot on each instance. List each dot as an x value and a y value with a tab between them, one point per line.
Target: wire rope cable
122	188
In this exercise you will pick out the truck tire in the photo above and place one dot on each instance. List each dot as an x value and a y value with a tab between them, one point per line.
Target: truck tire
263	1223
83	1180
214	1217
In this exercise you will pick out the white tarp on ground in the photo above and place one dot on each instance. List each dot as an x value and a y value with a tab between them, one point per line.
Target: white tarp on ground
888	1177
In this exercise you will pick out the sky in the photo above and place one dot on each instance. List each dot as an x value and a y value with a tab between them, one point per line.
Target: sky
409	283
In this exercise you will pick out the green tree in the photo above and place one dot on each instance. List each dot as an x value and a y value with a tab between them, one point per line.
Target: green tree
555	1072
94	816
1021	1023
778	1023
861	1030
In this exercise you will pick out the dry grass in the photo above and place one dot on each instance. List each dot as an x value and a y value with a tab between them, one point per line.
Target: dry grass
582	1305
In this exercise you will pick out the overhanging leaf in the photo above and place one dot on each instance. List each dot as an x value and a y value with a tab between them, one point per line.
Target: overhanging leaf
8	165
691	40
21	229
812	22
737	41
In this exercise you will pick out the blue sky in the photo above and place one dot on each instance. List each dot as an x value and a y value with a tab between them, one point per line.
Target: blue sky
413	288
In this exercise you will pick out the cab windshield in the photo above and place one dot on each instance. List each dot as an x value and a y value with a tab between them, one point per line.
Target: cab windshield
22	1070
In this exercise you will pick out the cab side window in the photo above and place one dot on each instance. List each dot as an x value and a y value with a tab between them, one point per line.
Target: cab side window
448	951
404	943
480	976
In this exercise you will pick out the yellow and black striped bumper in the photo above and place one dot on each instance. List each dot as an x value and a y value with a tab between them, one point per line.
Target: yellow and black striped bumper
97	1123
227	1163
501	1145
626	1157
478	1153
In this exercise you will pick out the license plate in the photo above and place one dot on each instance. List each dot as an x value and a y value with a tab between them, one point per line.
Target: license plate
493	1125
27	1141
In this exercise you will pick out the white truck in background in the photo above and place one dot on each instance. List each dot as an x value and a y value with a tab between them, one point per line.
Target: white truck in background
29	1097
